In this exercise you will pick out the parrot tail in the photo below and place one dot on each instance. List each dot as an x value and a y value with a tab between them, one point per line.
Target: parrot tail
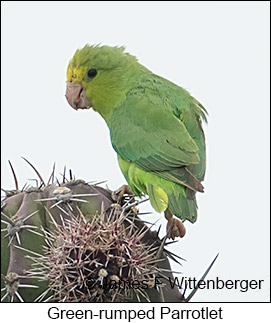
176	201
182	207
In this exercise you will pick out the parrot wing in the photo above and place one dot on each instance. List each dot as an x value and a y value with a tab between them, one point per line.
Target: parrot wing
145	131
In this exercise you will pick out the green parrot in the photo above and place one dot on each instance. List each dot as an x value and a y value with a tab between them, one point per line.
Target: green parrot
155	128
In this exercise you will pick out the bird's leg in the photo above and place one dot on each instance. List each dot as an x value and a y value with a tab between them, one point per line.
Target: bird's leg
175	227
119	193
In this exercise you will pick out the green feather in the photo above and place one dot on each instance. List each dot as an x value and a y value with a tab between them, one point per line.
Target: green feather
155	127
158	197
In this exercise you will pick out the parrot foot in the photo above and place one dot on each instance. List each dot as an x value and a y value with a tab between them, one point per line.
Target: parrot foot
119	193
175	227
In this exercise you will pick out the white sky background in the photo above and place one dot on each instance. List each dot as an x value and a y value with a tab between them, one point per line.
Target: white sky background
218	51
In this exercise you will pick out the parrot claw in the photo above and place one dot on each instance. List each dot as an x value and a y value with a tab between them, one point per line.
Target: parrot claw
175	227
119	193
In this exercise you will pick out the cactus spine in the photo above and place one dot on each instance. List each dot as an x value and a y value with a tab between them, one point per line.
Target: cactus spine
71	241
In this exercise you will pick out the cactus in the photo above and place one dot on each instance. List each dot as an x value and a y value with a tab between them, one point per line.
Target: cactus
71	241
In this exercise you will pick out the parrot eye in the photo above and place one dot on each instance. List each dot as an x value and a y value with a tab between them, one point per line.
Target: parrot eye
91	73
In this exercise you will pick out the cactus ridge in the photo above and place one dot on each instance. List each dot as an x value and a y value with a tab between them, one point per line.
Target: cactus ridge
70	241
73	241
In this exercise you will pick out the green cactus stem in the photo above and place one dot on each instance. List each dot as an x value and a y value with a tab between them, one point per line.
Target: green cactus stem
59	238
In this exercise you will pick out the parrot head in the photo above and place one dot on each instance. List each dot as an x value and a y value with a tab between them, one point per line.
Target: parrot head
99	77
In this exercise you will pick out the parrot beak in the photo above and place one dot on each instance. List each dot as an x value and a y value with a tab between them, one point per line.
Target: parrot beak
76	96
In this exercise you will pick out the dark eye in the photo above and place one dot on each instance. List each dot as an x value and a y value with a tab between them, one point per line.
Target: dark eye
91	73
